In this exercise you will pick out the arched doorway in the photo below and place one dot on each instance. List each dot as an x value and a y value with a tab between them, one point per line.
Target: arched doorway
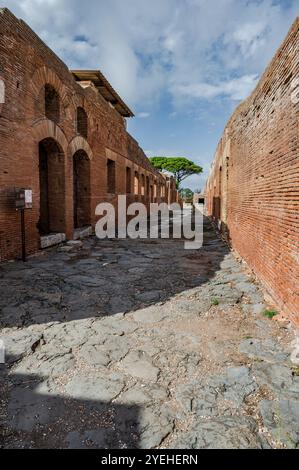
52	188
81	185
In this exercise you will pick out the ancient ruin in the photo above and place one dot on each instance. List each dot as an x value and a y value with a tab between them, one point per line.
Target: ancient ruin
252	192
140	343
62	135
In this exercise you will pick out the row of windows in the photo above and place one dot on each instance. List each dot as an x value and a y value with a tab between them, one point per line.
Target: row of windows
52	111
153	191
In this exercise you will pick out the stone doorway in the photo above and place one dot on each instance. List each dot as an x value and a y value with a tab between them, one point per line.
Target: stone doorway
52	188
81	188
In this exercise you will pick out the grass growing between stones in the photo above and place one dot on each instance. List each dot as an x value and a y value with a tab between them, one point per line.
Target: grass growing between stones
215	302
270	314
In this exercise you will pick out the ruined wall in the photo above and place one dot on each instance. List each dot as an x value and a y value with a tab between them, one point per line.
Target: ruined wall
26	66
253	188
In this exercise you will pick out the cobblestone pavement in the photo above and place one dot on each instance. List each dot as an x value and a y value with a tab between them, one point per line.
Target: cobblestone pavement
142	344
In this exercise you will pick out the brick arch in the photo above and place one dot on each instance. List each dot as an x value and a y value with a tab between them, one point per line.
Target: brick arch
78	101
45	129
79	143
44	75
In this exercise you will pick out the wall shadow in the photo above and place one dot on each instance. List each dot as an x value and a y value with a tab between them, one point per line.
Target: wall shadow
34	418
105	277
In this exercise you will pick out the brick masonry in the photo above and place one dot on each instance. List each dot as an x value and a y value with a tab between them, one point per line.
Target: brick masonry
27	66
253	188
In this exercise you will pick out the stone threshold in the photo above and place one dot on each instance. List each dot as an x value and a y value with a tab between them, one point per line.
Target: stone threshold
52	239
83	232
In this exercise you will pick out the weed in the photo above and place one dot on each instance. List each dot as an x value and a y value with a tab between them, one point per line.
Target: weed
270	314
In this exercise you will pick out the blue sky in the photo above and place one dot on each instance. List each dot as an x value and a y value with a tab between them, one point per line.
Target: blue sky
181	65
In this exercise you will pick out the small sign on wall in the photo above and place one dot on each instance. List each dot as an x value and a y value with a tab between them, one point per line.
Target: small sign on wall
28	199
2	91
24	199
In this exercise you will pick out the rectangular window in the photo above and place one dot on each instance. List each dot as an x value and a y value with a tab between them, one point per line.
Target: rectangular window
136	184
128	180
142	185
111	176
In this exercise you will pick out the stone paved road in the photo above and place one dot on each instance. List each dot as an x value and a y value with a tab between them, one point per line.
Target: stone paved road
141	344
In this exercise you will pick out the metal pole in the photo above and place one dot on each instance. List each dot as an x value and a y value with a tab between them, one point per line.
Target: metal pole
23	235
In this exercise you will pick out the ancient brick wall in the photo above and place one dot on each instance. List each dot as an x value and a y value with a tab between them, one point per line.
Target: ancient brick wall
253	188
28	131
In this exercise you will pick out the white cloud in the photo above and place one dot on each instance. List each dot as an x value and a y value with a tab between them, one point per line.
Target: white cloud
250	37
143	115
179	48
235	89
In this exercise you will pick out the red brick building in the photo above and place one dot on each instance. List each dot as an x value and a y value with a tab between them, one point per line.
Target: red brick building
253	188
63	135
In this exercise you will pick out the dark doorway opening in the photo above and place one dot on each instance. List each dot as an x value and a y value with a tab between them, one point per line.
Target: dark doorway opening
111	176
52	188
44	222
81	183
128	180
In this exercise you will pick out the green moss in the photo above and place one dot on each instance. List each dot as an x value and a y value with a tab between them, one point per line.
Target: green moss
270	313
215	302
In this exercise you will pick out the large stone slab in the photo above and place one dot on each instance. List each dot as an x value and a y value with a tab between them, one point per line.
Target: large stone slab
33	406
266	350
279	378
139	365
154	314
218	394
222	433
282	421
46	364
19	343
155	424
99	389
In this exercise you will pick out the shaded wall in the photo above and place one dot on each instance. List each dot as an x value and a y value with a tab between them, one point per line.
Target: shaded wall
27	67
253	188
